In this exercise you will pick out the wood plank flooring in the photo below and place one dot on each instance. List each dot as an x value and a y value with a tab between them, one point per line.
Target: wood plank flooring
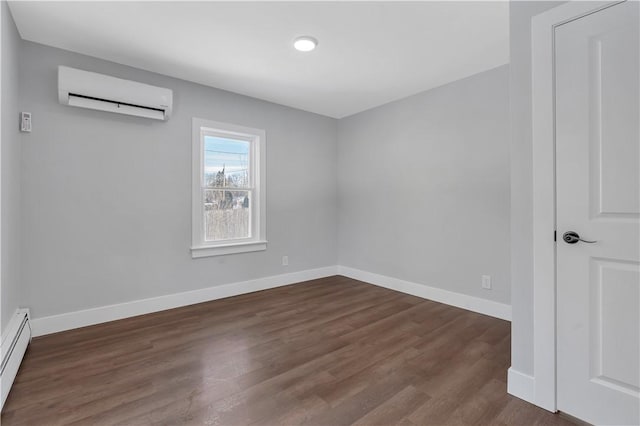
333	351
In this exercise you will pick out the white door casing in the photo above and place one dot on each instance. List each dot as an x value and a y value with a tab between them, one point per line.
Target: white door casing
597	70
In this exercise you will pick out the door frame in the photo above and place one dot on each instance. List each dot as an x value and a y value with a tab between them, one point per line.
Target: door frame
544	192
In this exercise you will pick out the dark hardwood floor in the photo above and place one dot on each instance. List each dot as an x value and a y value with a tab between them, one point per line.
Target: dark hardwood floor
332	351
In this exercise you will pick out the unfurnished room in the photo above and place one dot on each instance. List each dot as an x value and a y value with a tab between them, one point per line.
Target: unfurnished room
320	213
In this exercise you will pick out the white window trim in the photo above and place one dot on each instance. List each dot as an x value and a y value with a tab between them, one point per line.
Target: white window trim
258	241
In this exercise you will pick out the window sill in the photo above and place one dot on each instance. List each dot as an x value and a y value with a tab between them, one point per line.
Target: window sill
221	250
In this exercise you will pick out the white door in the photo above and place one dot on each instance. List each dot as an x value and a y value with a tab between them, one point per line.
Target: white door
598	197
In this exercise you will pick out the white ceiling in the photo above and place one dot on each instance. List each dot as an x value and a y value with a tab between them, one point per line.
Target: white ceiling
368	53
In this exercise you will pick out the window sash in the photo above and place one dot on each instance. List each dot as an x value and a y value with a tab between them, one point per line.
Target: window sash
204	132
205	213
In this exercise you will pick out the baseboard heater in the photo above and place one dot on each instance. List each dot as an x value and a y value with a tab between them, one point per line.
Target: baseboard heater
14	345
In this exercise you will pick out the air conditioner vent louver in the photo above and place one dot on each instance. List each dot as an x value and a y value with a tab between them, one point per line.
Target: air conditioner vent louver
114	102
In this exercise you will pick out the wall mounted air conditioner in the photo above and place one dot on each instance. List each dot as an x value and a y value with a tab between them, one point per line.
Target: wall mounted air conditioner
86	89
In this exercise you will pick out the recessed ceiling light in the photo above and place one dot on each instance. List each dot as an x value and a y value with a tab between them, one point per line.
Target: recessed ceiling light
305	43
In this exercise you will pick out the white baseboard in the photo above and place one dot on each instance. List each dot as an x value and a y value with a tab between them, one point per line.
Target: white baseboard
521	385
471	303
83	318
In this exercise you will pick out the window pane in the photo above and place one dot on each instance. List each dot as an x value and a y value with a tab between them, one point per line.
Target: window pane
227	214
226	162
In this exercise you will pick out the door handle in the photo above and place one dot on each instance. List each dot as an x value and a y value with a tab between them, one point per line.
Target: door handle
572	237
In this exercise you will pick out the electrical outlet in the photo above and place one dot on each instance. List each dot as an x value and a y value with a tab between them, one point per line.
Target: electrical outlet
285	260
486	282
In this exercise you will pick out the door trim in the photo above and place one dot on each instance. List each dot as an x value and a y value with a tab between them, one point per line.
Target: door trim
544	192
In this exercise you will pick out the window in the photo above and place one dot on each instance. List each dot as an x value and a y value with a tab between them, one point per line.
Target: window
228	203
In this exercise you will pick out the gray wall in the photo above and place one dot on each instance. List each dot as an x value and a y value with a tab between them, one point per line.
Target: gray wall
522	183
424	187
106	208
10	155
417	189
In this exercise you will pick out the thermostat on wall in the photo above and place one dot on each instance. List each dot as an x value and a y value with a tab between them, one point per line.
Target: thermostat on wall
25	122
